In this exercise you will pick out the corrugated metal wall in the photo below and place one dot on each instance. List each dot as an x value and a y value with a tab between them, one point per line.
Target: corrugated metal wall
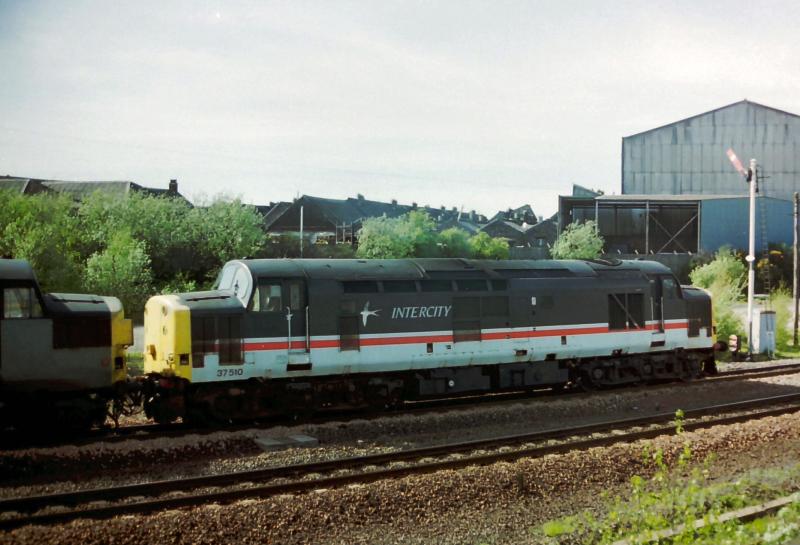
724	222
688	157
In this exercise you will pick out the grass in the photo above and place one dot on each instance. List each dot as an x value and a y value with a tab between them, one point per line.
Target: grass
135	364
679	495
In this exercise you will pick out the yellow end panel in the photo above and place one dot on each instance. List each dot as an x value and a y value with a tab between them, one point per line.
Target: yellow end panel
167	337
121	338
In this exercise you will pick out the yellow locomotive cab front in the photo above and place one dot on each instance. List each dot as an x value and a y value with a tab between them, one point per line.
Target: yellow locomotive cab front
167	337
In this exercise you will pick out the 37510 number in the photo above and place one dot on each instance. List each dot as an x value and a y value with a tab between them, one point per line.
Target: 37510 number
229	372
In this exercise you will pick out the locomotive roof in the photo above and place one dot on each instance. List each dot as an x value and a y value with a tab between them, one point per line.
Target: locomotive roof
409	269
16	269
81	303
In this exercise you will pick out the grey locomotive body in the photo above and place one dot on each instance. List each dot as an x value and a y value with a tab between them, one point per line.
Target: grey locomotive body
300	335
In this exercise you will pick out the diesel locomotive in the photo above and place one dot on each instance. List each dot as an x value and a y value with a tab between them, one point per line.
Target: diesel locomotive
62	356
298	336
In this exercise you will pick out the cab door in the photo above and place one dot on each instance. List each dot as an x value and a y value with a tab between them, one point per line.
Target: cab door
278	312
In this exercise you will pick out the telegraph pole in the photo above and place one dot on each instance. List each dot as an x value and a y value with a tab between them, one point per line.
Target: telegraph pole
795	258
751	256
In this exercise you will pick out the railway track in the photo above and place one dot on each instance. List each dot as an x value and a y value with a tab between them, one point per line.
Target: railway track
144	432
300	478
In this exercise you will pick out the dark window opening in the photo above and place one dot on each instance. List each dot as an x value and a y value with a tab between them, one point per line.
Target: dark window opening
499	285
436	285
360	286
81	332
348	333
268	297
670	288
625	311
471	285
399	286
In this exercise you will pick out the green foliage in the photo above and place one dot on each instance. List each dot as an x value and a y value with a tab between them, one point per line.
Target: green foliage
724	278
485	247
414	235
43	230
674	498
384	238
781	303
220	231
455	242
122	269
578	241
163	224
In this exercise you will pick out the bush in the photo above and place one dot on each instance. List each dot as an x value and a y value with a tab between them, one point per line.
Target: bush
43	230
724	277
122	270
578	241
485	247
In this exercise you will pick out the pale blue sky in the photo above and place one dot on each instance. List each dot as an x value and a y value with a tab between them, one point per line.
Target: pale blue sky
482	104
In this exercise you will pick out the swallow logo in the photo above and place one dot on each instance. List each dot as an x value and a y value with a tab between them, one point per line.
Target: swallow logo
366	313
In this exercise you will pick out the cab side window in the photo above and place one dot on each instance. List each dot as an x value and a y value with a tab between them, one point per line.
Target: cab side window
21	302
267	298
670	288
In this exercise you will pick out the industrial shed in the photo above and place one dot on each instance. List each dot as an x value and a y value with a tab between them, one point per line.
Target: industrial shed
661	224
687	157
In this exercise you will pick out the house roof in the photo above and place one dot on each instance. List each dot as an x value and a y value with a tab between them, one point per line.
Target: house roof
79	189
745	101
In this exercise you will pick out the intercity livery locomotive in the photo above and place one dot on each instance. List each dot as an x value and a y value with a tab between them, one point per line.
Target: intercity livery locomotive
62	356
297	336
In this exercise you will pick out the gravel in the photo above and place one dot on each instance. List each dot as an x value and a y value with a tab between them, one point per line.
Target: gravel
496	503
137	460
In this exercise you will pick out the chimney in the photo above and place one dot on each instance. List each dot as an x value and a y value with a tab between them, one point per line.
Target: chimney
442	208
360	197
173	187
472	215
394	202
413	206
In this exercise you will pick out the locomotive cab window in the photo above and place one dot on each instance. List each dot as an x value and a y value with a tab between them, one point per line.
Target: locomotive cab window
670	288
267	297
21	302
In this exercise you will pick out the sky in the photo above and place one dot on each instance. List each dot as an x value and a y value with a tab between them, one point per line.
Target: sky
481	105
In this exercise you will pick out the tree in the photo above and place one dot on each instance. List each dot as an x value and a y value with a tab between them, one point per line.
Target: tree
454	242
578	241
485	247
43	230
384	238
122	270
223	230
162	223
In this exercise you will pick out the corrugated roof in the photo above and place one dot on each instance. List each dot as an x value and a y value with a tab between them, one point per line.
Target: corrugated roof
745	101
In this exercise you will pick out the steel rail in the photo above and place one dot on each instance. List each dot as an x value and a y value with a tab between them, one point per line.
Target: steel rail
33	503
146	432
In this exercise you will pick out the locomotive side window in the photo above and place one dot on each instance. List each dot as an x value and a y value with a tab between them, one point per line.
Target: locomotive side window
21	302
436	285
360	286
466	319
400	286
295	296
471	285
499	285
625	311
